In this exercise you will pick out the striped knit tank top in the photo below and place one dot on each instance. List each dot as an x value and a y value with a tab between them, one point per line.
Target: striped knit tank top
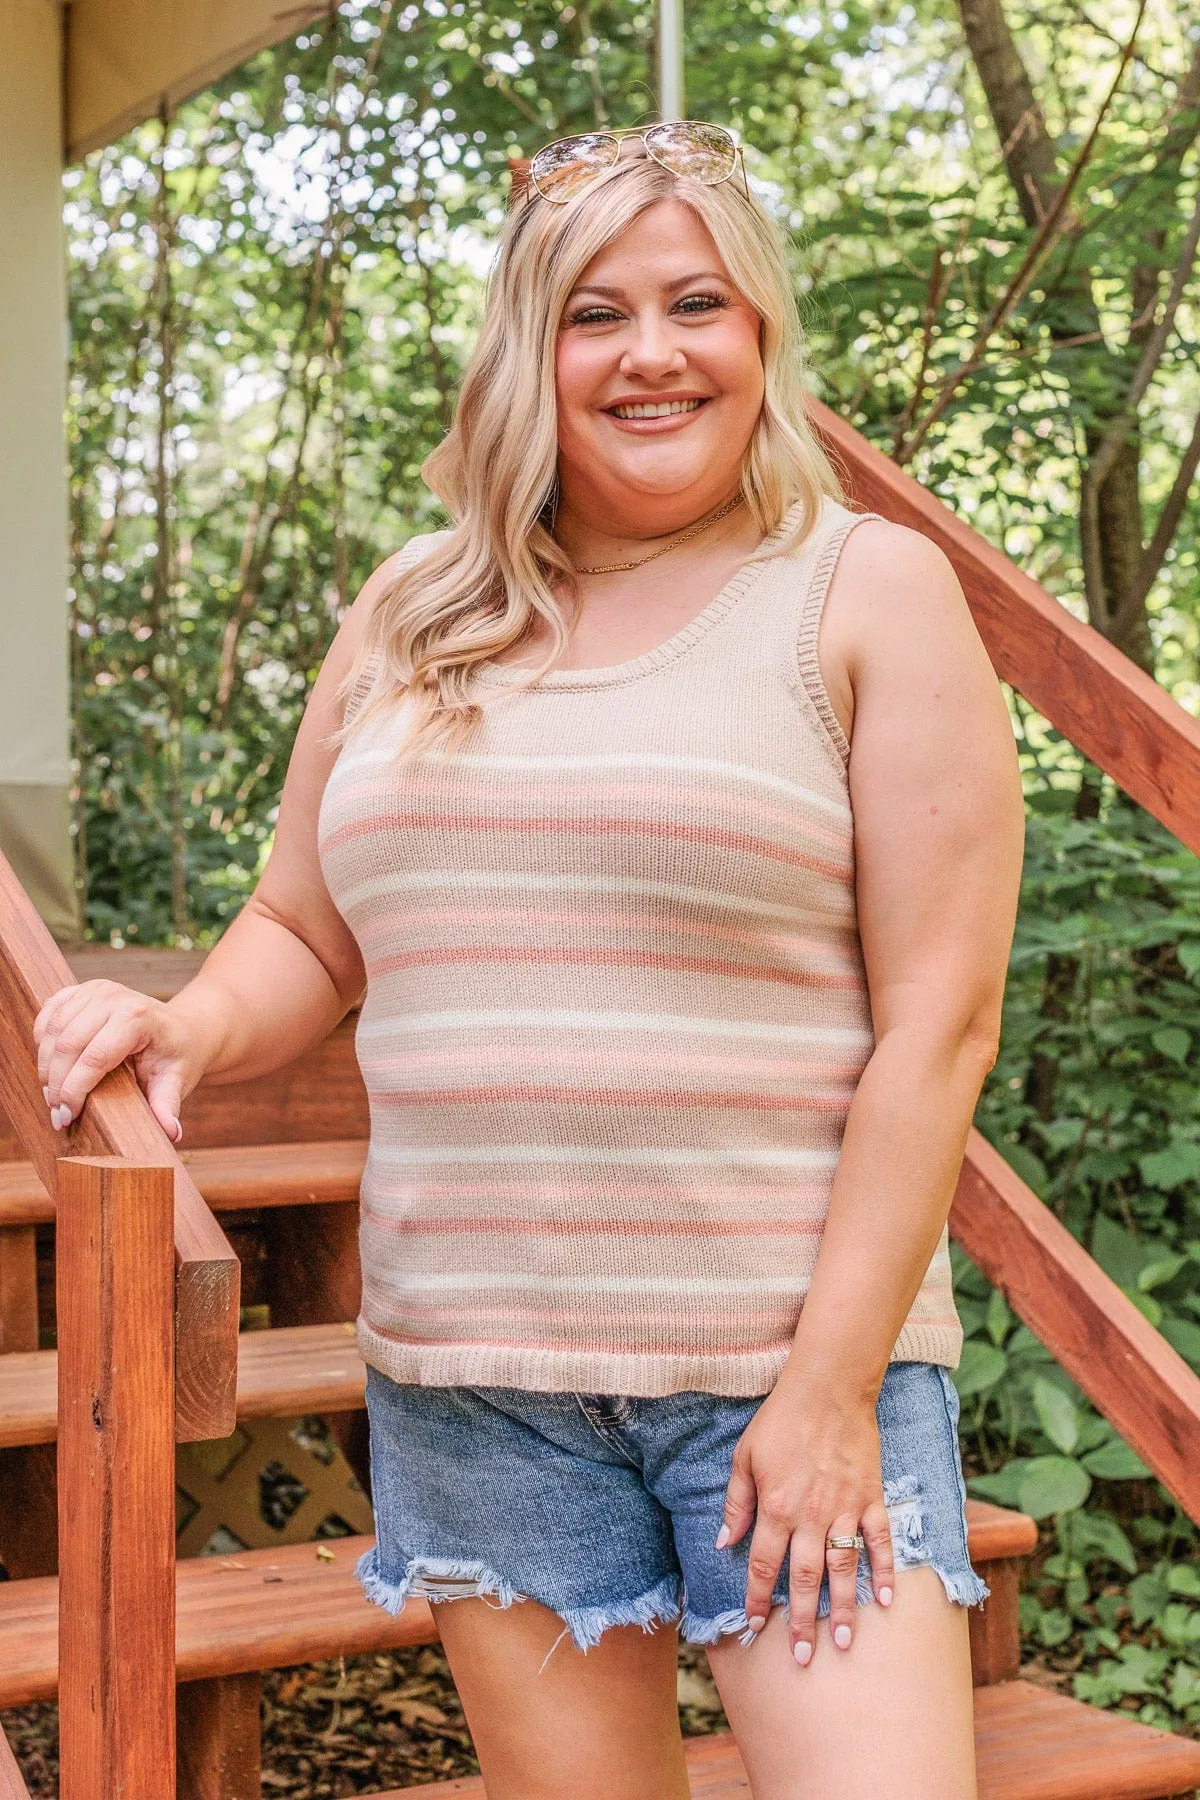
615	1012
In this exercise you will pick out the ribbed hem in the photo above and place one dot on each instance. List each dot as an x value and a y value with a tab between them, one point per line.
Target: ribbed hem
600	1372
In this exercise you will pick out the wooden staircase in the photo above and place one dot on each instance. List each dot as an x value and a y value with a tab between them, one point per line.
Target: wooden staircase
137	1250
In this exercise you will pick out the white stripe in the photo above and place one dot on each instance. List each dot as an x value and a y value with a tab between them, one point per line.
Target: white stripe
613	1021
593	1156
439	879
616	759
469	1280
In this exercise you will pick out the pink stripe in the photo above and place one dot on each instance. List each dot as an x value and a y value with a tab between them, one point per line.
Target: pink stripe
556	1194
375	823
507	1226
492	954
582	1096
608	917
693	796
499	1050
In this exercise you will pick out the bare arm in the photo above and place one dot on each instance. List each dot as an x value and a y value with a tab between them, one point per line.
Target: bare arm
939	828
939	831
281	977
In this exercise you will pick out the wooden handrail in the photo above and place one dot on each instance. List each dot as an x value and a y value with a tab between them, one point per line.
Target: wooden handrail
1109	708
1095	1332
1117	715
116	1121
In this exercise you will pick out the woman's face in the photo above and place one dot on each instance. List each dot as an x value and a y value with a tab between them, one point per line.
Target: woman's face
659	375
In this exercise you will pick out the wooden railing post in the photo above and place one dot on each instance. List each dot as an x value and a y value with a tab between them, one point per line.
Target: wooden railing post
116	1480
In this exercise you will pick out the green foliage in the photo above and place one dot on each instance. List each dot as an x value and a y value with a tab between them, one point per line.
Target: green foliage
270	308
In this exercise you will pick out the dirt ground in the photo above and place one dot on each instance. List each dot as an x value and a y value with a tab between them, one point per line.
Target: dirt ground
370	1723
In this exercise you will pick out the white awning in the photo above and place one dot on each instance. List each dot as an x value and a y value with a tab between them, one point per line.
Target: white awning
124	57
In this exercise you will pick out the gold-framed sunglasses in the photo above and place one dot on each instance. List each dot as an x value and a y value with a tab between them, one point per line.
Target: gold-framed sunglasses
707	153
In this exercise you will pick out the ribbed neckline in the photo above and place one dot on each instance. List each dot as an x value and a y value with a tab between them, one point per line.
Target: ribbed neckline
723	601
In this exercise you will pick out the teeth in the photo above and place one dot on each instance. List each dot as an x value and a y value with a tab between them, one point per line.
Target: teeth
662	409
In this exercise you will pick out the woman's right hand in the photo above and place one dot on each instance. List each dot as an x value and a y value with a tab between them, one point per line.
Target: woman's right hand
90	1027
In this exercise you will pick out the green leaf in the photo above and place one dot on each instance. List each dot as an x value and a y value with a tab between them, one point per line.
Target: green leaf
1168	1169
980	1367
1115	1462
1119	1252
1001	1488
1173	1042
1165	1269
1052	1484
1057	1414
1088	1536
1184	1578
999	1317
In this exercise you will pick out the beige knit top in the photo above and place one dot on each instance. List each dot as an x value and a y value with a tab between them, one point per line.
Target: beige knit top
616	1010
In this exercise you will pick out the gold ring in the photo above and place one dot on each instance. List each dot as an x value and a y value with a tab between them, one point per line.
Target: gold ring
857	1542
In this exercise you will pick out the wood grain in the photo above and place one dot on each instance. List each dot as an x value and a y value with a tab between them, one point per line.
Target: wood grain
283	1373
229	1178
1098	1335
218	1737
116	1473
1031	1745
18	1288
1109	708
116	1121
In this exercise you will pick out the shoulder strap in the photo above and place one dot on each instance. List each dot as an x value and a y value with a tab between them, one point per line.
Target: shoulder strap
416	549
812	606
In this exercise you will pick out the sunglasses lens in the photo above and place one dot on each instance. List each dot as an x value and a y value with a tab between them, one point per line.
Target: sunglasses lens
705	152
562	170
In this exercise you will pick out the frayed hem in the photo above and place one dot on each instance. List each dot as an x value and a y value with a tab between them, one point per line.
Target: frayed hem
437	1578
433	1578
695	1630
658	1606
965	1589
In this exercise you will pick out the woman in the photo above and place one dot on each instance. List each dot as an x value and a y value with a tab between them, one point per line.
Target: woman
669	812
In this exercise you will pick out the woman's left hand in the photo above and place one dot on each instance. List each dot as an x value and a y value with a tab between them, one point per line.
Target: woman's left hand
809	1464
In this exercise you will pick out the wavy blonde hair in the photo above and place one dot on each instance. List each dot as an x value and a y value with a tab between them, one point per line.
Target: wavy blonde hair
474	592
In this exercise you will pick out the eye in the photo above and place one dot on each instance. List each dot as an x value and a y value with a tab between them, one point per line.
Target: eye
593	315
701	303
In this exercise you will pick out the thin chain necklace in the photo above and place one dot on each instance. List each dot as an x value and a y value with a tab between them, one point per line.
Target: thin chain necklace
691	532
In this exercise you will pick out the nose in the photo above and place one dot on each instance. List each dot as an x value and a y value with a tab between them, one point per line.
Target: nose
654	349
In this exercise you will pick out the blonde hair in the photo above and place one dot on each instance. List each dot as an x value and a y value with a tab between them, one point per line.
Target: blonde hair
474	593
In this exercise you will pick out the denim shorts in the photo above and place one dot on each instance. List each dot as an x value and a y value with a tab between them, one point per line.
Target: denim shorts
605	1508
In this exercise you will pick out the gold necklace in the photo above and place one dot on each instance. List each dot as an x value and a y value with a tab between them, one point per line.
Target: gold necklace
691	532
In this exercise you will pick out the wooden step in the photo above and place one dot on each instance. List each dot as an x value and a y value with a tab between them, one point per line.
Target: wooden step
230	1179
1030	1745
265	1609
281	1374
260	1609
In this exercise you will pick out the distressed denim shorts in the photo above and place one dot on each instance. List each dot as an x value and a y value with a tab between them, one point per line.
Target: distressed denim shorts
605	1508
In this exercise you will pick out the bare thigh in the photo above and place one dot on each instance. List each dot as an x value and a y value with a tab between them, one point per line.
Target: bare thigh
892	1714
551	1723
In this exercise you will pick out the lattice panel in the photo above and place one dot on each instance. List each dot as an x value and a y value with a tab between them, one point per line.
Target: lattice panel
275	1481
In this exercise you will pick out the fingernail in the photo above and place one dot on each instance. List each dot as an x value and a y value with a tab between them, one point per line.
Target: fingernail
176	1131
722	1537
60	1116
802	1652
756	1624
46	1095
841	1637
885	1596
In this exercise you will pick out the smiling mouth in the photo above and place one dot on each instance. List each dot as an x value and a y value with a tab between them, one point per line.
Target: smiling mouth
655	409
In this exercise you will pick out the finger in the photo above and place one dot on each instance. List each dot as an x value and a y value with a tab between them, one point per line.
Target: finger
164	1094
741	1499
876	1527
843	1572
806	1559
66	1042
767	1548
55	1016
106	1044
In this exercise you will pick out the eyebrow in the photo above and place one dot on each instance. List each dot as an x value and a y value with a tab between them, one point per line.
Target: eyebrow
614	293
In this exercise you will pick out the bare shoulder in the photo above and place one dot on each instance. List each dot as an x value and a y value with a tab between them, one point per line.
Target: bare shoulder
895	591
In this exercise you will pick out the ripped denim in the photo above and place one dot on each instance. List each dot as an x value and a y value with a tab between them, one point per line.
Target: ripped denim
605	1508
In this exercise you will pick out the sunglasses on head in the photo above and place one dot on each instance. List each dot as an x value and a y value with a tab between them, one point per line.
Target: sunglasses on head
707	153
